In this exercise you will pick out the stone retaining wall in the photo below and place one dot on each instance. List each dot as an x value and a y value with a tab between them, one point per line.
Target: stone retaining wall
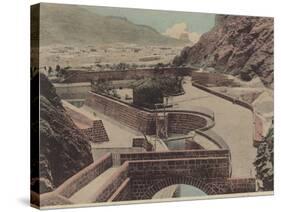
96	133
215	138
86	175
113	184
172	155
122	193
73	76
257	124
182	123
78	118
241	185
143	120
224	96
73	90
141	142
203	168
143	174
258	134
130	116
211	78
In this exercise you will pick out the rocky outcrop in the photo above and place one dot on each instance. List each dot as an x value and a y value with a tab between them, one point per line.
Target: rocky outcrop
239	45
64	150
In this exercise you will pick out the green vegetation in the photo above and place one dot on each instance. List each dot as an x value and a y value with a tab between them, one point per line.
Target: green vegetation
148	92
264	162
104	87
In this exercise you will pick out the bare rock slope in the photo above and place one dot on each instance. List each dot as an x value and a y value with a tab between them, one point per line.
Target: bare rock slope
238	45
63	149
77	25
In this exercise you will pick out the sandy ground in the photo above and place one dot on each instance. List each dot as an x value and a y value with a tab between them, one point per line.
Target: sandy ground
90	56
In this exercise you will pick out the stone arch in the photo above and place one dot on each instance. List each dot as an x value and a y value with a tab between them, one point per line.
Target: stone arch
208	188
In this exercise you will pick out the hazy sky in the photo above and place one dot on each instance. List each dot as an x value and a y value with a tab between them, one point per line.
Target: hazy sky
163	21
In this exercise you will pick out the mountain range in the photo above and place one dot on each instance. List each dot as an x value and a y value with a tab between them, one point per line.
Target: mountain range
76	25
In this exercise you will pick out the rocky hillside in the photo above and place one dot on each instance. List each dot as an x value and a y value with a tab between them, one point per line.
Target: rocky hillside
63	149
77	25
238	45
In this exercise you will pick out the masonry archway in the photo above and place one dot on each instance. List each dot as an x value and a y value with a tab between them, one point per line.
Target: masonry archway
208	188
178	191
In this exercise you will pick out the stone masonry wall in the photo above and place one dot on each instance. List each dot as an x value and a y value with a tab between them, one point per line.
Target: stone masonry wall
73	76
130	116
257	125
242	185
82	178
143	119
203	168
72	91
182	123
258	134
135	176
172	155
116	180
123	192
145	174
211	78
224	96
96	133
141	142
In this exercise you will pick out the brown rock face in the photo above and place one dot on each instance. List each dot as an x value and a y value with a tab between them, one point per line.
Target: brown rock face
238	45
64	150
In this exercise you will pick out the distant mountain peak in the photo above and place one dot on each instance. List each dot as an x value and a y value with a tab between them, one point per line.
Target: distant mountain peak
70	24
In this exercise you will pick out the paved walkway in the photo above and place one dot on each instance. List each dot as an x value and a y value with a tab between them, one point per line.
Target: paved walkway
233	123
85	195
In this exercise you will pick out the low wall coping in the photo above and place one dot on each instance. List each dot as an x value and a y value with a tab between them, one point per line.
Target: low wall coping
87	169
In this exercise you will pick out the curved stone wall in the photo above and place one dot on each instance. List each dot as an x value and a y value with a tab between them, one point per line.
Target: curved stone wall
144	120
182	123
214	137
257	125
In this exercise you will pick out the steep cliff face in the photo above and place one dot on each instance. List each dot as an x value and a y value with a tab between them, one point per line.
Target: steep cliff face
63	149
238	45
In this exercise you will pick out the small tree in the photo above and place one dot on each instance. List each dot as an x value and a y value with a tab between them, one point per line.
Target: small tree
50	70
147	94
57	68
264	162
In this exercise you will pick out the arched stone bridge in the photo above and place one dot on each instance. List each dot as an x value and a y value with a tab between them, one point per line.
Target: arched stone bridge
141	175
